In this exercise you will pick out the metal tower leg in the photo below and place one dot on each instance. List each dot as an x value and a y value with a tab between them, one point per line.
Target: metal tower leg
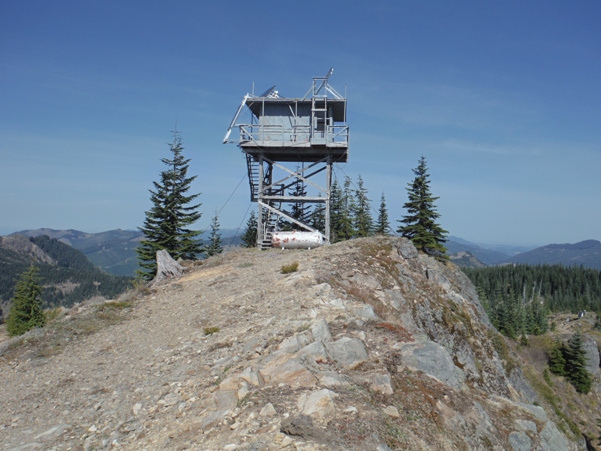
328	196
260	227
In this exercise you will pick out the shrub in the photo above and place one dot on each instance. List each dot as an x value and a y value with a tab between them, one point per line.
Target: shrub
292	267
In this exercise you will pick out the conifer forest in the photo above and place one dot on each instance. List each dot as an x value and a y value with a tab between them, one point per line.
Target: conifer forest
519	298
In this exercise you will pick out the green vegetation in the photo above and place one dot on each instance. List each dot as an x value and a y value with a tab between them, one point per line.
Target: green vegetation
72	278
382	226
249	237
299	210
214	247
26	311
515	316
362	220
211	330
570	361
292	267
350	211
419	225
166	224
563	288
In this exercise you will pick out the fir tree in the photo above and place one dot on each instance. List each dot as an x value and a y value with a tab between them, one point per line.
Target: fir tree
336	213
346	229
575	367
419	225
166	224
214	247
299	210
318	216
249	237
382	225
557	363
362	220
26	311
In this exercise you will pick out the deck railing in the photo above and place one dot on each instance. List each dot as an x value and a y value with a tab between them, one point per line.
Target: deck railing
302	135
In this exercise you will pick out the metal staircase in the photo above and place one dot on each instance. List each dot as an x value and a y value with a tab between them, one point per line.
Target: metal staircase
271	219
271	222
253	177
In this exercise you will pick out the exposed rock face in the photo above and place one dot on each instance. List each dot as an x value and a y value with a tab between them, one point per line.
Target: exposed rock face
369	346
21	245
592	355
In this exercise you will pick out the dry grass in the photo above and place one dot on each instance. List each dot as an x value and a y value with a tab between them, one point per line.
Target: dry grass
287	269
66	326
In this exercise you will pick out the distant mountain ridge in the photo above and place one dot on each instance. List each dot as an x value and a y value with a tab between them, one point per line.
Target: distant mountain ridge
66	275
114	251
586	253
466	254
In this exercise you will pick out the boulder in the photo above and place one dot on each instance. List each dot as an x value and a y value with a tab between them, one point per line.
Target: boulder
552	439
290	373
519	441
320	405
407	250
434	360
321	331
348	352
381	383
316	351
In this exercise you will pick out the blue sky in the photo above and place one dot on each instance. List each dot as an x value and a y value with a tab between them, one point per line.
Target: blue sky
502	97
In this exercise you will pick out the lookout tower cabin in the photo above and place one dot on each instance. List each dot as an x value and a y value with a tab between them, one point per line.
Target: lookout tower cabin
290	145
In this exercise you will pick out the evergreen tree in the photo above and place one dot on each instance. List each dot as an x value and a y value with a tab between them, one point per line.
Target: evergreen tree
249	237
419	225
214	247
575	367
26	311
382	225
336	213
166	224
318	216
557	363
362	220
299	210
347	230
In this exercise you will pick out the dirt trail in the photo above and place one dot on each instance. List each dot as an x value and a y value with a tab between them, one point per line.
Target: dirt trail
89	394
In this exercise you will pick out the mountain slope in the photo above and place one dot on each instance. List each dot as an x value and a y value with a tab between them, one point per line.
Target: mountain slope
486	256
368	345
65	273
114	250
586	253
466	260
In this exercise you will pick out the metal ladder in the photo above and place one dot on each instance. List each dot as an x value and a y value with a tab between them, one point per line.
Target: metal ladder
253	177
270	220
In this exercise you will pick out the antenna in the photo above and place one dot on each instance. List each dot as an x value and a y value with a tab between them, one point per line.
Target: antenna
269	92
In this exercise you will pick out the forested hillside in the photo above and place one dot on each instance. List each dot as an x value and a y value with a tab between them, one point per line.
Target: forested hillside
518	298
66	274
563	288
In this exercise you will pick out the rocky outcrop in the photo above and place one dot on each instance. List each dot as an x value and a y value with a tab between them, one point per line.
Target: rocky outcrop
592	355
370	345
21	245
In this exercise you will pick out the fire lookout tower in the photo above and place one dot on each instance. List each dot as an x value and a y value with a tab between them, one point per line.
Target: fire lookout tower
309	134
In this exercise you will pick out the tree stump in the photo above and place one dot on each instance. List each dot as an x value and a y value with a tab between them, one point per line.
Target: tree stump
167	268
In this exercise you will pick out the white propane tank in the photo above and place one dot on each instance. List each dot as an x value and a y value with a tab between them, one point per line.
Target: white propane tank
296	240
